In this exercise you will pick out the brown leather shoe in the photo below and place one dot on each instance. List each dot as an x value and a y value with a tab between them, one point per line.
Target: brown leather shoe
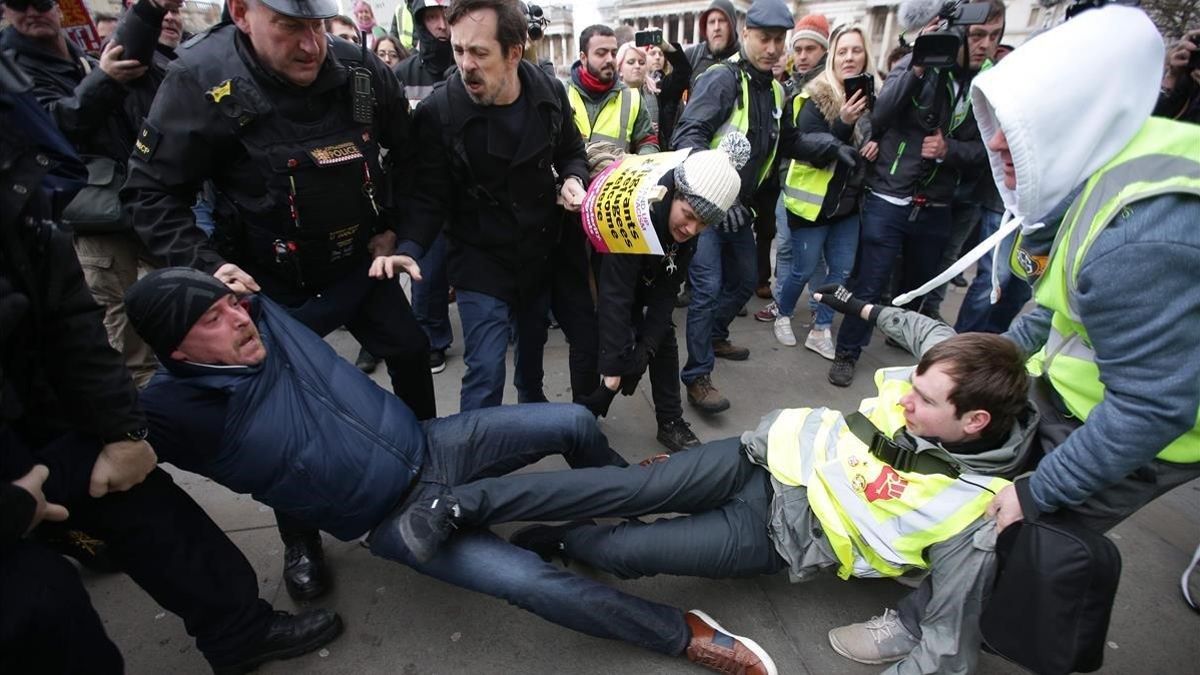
715	648
705	397
724	349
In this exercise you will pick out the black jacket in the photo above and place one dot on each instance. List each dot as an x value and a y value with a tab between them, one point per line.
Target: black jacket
420	71
900	123
58	374
197	132
711	104
635	294
670	93
699	55
499	238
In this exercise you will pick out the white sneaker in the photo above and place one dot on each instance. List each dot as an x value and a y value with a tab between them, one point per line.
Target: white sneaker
783	331
883	639
820	340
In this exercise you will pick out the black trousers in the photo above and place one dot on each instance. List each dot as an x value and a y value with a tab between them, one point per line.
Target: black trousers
167	544
573	307
48	624
764	232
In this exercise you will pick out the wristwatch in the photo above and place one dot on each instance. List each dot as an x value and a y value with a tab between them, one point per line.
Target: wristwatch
137	435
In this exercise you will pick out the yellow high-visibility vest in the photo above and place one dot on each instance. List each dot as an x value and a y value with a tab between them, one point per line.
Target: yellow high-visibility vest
1161	158
614	122
804	185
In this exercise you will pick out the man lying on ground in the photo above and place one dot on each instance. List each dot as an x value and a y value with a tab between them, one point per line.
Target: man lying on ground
900	488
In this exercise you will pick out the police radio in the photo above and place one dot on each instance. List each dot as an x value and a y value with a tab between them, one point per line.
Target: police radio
362	98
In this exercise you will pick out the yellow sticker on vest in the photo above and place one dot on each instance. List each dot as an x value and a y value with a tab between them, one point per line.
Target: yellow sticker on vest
335	154
220	91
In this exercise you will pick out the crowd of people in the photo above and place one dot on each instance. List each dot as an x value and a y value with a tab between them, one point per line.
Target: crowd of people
189	217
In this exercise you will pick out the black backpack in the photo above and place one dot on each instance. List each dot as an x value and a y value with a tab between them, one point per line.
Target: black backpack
1053	596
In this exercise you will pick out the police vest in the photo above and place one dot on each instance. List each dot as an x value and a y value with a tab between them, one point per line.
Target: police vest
878	520
804	185
1160	159
739	119
310	219
614	121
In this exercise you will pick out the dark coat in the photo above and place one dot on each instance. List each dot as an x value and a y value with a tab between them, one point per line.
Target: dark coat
499	240
635	294
699	55
58	373
303	431
711	104
899	125
670	93
426	67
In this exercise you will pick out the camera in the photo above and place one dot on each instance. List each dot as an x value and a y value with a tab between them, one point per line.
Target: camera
537	20
940	48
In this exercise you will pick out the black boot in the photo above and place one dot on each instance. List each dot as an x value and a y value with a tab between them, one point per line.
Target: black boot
676	435
546	540
288	636
304	570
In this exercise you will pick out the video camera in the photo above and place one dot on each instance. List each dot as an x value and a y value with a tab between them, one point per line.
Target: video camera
537	21
940	48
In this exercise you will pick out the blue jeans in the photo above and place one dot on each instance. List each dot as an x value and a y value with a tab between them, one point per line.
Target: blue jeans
783	249
722	273
485	323
203	211
430	296
977	312
838	241
886	233
492	442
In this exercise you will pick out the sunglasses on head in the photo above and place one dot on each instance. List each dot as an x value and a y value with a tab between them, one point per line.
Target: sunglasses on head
22	5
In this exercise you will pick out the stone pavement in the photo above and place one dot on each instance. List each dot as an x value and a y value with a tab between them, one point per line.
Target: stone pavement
398	621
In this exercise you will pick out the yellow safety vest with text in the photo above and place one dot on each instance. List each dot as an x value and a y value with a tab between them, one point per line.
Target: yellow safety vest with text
614	122
1162	158
804	185
739	119
878	520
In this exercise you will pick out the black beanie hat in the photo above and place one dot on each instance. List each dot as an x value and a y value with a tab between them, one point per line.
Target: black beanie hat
163	305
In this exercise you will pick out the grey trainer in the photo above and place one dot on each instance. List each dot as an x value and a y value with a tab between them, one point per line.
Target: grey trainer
883	639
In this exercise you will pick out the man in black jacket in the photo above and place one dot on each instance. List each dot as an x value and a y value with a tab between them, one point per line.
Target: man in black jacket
718	38
491	140
740	94
928	139
98	105
72	434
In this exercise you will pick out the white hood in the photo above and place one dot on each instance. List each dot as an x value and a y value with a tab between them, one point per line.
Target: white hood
1068	101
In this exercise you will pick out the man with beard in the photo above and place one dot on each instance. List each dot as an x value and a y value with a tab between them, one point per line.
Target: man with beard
287	124
738	94
418	74
98	105
492	140
718	38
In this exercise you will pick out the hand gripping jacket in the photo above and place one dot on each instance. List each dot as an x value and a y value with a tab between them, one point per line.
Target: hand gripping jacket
312	222
1160	159
878	519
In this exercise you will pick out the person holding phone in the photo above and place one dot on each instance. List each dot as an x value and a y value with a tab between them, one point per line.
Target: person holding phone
826	130
1180	95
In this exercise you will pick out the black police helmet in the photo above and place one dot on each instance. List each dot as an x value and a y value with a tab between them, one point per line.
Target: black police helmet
304	9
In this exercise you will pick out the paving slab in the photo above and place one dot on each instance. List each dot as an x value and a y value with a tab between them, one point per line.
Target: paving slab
398	621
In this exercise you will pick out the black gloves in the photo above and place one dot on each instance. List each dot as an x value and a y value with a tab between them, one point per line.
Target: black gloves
737	218
599	400
841	299
847	155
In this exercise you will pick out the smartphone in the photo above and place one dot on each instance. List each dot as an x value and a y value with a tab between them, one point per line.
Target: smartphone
864	83
645	38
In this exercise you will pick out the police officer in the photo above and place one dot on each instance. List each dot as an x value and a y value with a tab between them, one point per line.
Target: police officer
287	124
72	447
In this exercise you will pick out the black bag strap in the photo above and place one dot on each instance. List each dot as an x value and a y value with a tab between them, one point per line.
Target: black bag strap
894	454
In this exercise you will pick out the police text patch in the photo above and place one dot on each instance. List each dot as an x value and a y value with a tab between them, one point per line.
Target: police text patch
147	142
335	154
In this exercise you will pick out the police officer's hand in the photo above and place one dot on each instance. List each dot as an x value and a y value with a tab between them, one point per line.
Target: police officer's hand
44	510
120	466
572	193
122	71
388	266
236	279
